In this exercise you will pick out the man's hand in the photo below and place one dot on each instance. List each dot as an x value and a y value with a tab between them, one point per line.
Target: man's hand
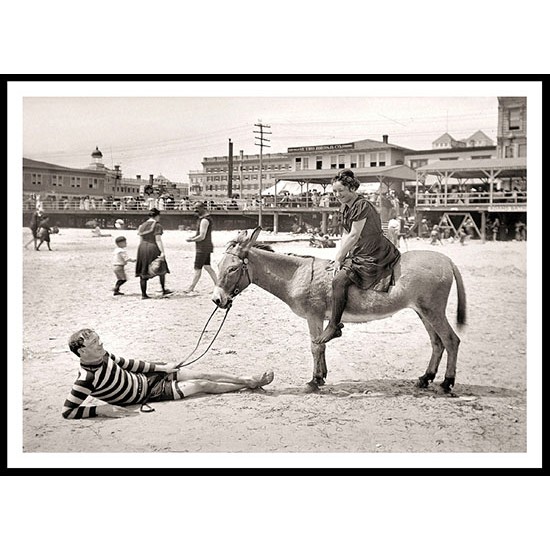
166	367
113	411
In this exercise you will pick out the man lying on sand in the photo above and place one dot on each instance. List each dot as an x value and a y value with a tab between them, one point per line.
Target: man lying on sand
121	382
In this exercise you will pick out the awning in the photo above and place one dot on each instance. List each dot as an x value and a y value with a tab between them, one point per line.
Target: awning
296	188
378	174
476	168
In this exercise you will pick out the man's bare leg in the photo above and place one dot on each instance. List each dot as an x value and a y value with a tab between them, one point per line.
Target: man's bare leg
196	276
185	374
212	273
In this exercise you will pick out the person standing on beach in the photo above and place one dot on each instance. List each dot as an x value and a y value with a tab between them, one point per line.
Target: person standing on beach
203	248
120	259
43	233
119	382
36	218
150	248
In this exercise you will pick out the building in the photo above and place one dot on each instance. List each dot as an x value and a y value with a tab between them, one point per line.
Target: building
54	186
477	139
477	185
512	127
213	179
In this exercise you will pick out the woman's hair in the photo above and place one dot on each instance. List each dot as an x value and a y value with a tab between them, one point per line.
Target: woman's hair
347	178
154	212
76	341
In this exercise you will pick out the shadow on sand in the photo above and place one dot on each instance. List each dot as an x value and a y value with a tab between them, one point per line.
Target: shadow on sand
394	388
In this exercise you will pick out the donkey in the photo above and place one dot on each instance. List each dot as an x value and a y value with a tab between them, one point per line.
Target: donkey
423	281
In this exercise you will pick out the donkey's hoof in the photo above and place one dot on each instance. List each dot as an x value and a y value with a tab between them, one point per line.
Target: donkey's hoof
311	387
447	384
424	380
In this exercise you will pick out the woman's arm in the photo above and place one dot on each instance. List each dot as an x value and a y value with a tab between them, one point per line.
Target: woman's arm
158	240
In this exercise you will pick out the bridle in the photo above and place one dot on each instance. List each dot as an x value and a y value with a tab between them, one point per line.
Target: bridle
243	269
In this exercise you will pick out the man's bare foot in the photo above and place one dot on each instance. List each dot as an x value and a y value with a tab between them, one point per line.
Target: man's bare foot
263	380
332	331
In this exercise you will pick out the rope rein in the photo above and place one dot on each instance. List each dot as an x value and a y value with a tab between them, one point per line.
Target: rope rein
183	363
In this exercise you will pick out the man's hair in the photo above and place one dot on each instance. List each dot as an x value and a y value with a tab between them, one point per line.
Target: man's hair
199	205
76	341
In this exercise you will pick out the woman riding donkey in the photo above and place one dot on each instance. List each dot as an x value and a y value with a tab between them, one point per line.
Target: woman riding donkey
365	255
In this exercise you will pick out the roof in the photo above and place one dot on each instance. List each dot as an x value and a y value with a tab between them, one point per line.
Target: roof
477	168
479	135
445	137
40	165
400	172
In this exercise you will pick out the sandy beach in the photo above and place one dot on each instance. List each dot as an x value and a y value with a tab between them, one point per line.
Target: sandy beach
369	405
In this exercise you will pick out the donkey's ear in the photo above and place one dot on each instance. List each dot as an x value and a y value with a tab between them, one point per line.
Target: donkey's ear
254	236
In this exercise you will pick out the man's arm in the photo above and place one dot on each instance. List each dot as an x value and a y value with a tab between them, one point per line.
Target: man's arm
136	365
203	229
74	410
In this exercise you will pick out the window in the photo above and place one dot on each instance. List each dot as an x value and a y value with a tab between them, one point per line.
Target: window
514	120
333	161
353	161
382	159
319	163
306	163
417	163
361	161
36	179
341	161
298	163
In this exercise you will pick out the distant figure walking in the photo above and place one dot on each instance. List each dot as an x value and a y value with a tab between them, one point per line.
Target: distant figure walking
203	247
393	231
120	259
36	218
44	230
150	248
435	235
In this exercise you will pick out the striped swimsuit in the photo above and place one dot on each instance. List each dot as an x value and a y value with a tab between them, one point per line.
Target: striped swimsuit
117	381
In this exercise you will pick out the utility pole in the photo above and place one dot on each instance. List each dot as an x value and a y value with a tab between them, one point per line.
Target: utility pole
230	171
262	144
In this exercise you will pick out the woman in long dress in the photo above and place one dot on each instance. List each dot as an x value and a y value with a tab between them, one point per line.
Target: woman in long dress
150	248
365	255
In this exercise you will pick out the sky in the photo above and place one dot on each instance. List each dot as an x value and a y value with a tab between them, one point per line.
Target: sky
171	135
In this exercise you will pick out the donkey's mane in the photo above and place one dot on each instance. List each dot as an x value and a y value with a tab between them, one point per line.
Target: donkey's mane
265	246
261	246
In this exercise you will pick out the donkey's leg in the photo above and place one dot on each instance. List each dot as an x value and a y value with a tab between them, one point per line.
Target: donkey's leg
451	341
437	353
318	351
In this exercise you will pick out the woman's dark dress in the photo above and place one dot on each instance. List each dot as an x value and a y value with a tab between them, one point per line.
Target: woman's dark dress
148	249
373	256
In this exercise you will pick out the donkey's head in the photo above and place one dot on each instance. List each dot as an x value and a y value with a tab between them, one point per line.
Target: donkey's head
233	269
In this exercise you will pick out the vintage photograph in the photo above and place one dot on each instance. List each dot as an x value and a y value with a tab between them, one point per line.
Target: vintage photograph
217	278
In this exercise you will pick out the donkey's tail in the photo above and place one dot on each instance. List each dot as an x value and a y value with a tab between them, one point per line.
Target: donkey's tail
461	306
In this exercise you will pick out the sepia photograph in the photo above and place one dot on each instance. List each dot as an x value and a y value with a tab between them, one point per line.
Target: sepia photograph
275	274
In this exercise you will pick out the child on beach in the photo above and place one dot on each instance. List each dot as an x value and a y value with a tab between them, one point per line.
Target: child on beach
120	259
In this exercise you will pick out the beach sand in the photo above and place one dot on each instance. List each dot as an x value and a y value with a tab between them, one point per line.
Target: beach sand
369	405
